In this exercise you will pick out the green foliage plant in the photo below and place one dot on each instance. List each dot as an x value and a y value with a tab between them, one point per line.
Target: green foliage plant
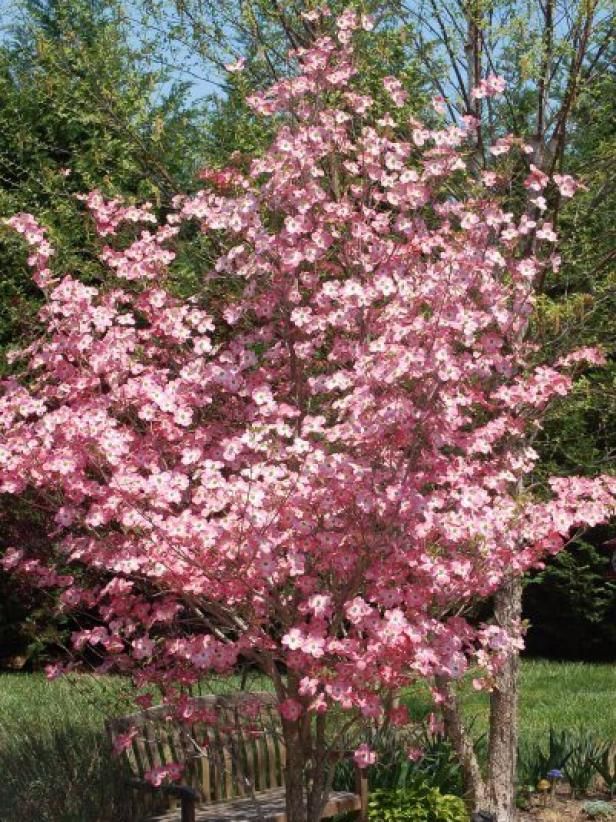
535	762
418	804
580	768
437	767
598	809
605	764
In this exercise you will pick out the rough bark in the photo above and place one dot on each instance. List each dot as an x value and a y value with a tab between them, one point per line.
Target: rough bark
496	793
503	738
308	769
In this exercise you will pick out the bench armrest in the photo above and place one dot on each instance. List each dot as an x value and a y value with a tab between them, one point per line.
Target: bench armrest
187	796
361	789
361	780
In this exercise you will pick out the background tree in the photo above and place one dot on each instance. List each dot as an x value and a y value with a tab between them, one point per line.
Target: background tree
82	109
580	304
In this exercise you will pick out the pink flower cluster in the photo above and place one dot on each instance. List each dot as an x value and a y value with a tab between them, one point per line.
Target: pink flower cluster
393	87
156	776
41	249
311	463
490	86
364	756
108	215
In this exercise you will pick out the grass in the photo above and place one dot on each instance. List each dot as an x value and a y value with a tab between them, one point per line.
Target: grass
567	695
571	695
55	764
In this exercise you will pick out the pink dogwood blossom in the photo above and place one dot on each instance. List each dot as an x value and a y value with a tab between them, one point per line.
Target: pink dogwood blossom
156	776
364	756
566	184
311	469
490	86
236	66
290	709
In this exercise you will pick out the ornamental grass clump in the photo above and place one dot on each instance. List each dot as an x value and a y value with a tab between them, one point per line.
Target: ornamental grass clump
536	762
581	766
605	765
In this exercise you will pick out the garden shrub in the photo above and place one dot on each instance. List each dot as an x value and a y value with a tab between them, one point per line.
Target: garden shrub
420	803
437	767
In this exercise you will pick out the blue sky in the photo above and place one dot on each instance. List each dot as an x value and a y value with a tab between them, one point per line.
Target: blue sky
177	58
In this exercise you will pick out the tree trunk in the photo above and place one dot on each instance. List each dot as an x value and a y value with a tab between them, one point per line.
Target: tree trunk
294	774
496	794
474	785
308	770
320	776
503	737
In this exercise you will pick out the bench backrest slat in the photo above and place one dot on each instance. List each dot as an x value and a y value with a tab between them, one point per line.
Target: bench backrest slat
233	753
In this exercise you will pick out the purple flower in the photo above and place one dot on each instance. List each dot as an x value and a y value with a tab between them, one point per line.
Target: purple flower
555	773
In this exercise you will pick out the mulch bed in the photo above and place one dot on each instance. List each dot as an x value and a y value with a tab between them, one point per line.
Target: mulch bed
561	808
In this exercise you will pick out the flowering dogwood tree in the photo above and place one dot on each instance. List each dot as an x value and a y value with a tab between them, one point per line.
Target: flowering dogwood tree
315	467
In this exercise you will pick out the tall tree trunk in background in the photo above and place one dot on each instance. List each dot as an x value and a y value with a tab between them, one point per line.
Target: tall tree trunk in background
503	736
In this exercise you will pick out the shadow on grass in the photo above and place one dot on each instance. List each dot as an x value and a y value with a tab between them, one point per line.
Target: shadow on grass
66	775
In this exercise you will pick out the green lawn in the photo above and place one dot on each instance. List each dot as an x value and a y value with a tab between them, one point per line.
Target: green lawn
567	695
54	761
563	695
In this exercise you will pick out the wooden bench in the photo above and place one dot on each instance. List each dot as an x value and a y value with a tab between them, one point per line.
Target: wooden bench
233	764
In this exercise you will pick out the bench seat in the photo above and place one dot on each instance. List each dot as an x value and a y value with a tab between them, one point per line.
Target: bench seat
271	804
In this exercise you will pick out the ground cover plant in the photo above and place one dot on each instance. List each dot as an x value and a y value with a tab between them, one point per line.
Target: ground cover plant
315	470
418	804
598	809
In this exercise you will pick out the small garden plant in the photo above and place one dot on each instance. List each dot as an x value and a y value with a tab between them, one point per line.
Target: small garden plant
535	762
605	765
598	809
580	768
418	804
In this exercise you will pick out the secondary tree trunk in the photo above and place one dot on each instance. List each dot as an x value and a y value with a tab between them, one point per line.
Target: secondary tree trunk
320	772
294	775
474	785
503	736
